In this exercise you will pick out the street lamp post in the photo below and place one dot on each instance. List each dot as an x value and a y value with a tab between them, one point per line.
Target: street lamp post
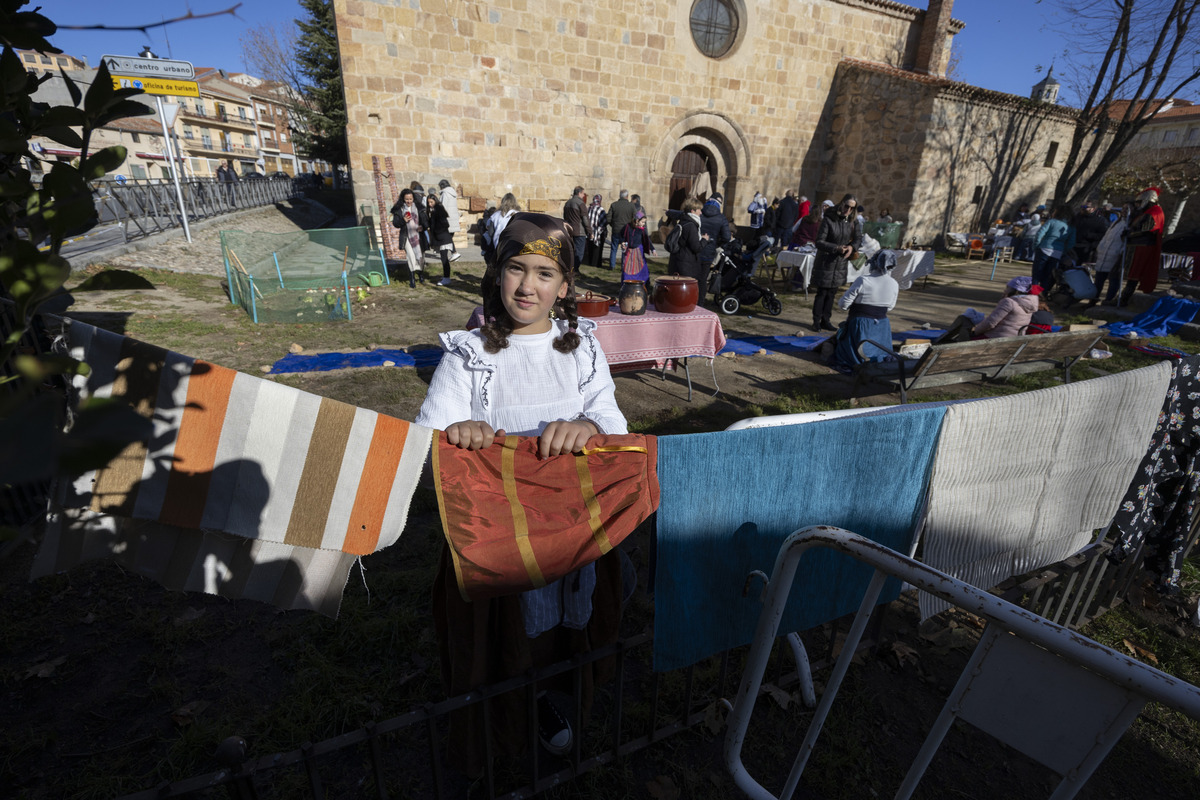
174	162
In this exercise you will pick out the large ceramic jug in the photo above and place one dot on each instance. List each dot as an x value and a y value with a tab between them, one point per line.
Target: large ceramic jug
676	294
632	299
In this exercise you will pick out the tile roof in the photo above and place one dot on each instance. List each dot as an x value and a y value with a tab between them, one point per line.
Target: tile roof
1178	108
902	10
148	124
963	90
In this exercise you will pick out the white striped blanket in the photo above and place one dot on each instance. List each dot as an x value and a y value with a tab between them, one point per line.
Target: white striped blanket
1176	263
241	477
1022	481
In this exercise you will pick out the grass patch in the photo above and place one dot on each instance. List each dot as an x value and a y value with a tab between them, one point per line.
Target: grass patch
196	287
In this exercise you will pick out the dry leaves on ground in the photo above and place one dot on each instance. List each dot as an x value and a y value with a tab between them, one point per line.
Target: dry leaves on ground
1140	651
781	697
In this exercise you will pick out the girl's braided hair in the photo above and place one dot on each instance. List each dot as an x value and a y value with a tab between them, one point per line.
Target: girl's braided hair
527	232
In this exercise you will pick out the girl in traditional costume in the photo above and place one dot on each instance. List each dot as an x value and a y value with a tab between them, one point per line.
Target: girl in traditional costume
533	369
635	243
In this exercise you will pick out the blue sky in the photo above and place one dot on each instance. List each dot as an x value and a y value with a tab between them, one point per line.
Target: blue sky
1000	47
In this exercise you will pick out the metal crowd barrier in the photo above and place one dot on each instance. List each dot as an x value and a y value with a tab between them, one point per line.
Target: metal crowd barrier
1055	695
144	207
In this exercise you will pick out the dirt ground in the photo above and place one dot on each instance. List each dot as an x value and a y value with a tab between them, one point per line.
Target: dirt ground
112	684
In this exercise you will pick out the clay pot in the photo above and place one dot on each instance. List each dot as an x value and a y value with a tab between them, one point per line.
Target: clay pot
676	294
632	299
592	305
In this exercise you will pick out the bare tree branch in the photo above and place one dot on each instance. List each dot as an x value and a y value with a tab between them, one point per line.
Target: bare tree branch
1174	170
231	11
1140	52
269	51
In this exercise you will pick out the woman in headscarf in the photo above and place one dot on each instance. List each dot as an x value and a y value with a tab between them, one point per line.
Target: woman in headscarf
1014	312
598	217
495	226
868	301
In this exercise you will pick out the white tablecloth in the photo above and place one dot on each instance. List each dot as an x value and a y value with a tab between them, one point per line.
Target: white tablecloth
802	262
910	265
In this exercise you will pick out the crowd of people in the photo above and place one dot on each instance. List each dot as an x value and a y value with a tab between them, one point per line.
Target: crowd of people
1119	244
427	224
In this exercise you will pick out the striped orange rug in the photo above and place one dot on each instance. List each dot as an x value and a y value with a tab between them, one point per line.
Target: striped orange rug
246	488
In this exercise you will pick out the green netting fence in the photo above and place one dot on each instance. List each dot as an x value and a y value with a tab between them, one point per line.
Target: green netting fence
307	276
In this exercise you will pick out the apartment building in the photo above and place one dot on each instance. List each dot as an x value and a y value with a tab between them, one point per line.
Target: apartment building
1177	124
218	125
277	126
41	63
237	117
275	136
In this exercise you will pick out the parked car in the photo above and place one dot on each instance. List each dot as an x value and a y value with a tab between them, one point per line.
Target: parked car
254	176
279	176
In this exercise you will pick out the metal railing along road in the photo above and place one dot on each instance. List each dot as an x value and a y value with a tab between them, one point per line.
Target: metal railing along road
144	207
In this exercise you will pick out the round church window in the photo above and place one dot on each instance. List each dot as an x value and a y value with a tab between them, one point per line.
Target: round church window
714	26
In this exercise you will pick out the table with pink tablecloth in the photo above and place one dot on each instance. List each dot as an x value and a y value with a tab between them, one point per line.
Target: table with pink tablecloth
656	336
653	339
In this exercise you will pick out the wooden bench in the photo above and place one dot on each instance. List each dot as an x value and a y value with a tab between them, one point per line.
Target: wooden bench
984	359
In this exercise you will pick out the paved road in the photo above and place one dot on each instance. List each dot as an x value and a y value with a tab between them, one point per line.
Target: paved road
99	238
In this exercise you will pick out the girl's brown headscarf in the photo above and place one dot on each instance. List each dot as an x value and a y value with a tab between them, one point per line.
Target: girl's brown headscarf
538	234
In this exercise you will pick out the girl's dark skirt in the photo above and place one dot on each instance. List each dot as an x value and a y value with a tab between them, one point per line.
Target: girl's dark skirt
484	642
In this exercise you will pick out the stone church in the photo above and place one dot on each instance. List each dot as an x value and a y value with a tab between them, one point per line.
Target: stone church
673	97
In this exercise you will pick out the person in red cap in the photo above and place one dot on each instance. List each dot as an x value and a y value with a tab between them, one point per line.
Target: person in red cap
1144	240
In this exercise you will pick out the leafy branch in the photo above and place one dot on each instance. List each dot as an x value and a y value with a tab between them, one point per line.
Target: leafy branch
32	444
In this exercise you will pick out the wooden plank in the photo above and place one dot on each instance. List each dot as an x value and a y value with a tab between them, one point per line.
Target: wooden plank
975	355
1057	346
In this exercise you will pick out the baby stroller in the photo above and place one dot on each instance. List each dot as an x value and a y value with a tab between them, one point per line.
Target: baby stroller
732	285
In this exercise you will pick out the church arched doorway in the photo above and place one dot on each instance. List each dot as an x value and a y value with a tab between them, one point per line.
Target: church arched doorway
701	154
693	173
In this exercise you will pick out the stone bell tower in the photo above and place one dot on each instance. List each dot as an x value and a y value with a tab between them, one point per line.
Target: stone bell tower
1046	90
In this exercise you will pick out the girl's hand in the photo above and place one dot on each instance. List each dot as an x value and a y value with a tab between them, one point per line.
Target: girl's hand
472	435
562	436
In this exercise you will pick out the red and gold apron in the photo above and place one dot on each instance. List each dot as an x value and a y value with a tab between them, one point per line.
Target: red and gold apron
516	522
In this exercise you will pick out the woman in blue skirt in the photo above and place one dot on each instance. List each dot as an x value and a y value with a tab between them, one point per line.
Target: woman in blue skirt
868	301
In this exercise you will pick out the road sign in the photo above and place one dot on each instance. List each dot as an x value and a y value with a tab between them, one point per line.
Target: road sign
150	67
157	86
